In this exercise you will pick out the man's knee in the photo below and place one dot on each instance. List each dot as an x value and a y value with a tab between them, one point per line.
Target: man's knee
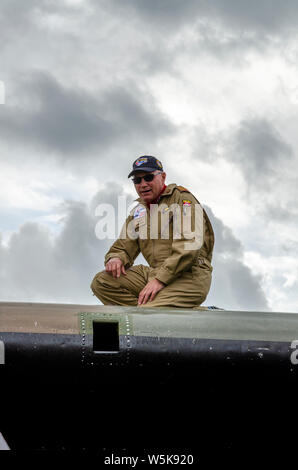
96	284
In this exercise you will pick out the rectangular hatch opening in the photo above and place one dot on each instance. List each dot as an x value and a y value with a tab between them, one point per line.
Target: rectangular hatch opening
105	336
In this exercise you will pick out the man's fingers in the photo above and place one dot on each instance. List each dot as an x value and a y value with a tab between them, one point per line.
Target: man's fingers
153	294
141	296
115	267
148	293
109	269
115	271
118	269
145	298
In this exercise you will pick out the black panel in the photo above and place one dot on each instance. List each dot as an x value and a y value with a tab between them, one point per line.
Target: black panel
105	336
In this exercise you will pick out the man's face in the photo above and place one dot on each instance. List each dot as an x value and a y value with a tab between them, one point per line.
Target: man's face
149	190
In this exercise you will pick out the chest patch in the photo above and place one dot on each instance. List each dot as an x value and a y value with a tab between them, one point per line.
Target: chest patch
139	212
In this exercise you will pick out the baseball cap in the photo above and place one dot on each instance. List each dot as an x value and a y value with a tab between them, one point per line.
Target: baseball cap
146	163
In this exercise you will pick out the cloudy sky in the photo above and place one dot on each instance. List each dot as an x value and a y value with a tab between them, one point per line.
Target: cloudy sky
209	87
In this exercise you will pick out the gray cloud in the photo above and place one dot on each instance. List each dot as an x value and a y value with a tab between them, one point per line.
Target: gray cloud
280	212
255	146
268	164
262	154
225	29
223	44
265	160
269	16
36	267
71	121
234	285
260	150
166	13
15	18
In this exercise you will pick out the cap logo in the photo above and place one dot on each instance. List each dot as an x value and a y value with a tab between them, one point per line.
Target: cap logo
159	163
140	161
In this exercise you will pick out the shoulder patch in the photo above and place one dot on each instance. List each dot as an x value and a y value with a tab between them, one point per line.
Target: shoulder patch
182	189
132	211
140	211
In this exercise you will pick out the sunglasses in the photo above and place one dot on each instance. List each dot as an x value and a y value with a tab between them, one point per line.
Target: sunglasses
149	177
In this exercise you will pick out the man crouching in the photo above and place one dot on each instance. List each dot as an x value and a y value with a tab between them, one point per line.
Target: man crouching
174	234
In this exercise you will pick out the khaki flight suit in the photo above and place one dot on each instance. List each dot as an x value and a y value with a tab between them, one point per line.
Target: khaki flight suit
185	272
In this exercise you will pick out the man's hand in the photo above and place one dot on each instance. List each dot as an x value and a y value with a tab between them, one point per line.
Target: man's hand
115	267
150	290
